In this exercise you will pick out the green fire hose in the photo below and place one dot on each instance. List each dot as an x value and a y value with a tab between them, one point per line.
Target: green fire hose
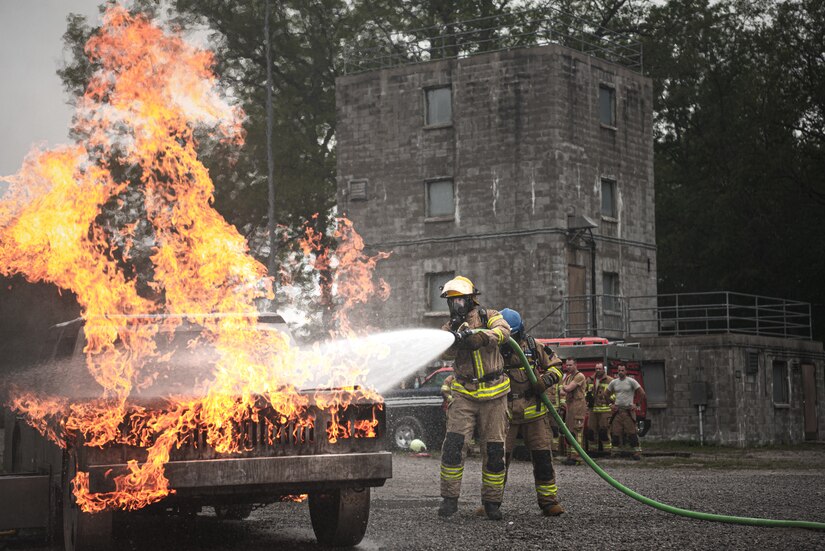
646	500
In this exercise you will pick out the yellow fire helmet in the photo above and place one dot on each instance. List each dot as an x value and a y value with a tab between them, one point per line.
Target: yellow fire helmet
459	286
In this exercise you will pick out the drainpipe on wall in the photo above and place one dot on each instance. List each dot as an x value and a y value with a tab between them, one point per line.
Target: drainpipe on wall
593	307
699	398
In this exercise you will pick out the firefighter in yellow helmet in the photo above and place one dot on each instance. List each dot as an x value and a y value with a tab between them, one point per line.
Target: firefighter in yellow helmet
479	394
528	415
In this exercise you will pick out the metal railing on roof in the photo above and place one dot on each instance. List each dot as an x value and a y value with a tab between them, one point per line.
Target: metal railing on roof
682	314
516	29
719	312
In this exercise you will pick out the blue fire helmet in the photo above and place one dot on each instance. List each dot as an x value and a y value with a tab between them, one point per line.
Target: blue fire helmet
513	319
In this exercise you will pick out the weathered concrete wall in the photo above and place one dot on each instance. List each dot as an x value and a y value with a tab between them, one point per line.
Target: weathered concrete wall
502	277
525	150
740	409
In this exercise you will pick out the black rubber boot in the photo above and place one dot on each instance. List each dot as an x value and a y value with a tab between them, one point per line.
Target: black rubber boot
551	509
493	510
449	505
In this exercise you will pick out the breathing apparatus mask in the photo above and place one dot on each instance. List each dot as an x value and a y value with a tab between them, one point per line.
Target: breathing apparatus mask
459	306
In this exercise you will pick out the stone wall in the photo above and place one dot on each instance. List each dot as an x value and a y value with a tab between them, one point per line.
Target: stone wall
525	150
740	407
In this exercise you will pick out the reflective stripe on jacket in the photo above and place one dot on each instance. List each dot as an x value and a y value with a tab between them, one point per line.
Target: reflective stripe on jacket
524	404
601	398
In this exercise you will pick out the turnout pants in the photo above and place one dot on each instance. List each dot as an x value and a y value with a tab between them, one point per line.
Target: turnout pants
556	433
574	419
598	427
536	435
624	424
490	417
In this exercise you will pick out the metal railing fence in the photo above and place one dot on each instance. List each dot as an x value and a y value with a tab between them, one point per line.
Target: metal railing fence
678	314
719	312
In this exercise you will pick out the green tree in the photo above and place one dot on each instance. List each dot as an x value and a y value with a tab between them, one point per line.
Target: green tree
736	191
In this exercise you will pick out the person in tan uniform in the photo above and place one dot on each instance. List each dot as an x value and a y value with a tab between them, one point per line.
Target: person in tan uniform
559	401
598	405
479	394
528	415
573	385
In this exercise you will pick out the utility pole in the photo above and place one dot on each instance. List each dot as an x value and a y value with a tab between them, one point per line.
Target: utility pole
270	161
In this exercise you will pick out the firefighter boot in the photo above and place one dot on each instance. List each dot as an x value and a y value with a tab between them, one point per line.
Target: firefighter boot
637	447
551	509
493	510
449	505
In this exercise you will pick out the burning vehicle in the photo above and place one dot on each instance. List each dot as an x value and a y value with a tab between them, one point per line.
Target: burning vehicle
330	446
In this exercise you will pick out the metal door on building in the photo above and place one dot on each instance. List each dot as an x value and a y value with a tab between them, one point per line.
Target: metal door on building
809	396
577	301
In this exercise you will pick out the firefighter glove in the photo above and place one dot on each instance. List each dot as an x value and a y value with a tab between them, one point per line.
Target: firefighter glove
462	337
551	376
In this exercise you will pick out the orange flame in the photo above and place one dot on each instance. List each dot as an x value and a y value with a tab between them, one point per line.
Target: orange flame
352	277
137	156
299	498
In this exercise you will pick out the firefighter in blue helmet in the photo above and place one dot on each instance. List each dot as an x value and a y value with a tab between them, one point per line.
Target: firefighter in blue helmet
479	393
528	414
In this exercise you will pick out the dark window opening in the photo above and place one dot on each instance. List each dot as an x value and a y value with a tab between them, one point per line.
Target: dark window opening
358	190
439	106
655	384
609	198
781	389
610	286
607	105
440	199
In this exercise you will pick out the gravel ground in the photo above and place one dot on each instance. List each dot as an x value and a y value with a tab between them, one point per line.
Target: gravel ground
766	484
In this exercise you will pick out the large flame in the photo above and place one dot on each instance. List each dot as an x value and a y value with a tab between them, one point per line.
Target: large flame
132	188
352	280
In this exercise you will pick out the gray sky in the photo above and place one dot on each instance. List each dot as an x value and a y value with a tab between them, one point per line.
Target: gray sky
32	101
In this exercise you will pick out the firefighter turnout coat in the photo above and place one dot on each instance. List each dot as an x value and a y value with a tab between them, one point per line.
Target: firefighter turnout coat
524	402
478	366
601	396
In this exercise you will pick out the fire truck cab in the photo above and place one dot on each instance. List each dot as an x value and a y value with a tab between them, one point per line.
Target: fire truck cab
588	351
